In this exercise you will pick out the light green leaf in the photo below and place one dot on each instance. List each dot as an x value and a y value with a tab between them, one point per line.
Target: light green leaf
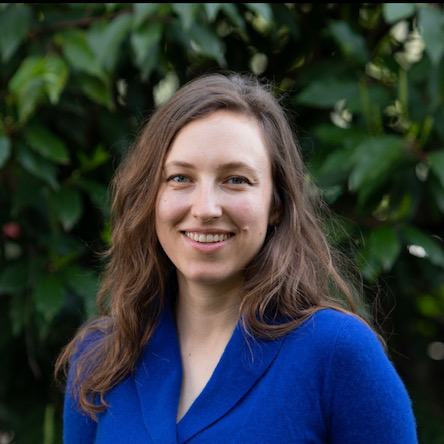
436	161
386	245
79	54
5	150
143	40
14	277
394	12
208	43
431	21
262	10
212	10
98	157
232	13
187	13
429	305
37	166
352	45
68	207
142	11
105	39
432	250
15	21
47	144
49	296
36	79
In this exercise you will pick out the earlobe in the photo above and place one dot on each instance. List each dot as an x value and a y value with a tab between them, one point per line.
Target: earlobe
274	219
275	210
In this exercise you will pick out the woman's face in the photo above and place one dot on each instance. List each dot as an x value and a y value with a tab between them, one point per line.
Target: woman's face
214	202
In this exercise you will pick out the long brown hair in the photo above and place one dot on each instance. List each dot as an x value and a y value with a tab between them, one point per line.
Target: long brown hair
294	275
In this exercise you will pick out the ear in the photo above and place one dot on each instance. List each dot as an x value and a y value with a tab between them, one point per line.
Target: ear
274	219
275	210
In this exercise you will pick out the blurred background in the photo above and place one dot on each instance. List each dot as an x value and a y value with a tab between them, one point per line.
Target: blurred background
363	84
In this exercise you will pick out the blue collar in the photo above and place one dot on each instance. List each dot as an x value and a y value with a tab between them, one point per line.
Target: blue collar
159	376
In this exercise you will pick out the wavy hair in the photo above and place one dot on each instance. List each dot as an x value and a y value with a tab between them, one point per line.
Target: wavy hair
296	273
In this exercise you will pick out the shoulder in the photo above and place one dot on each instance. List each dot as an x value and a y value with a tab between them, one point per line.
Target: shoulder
333	328
331	342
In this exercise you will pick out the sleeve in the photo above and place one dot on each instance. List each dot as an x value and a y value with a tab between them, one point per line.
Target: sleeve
368	402
78	427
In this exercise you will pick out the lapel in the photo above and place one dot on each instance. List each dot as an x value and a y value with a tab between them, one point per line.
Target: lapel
242	364
158	381
159	376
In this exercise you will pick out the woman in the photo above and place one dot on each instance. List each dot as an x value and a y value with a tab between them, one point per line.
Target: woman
225	318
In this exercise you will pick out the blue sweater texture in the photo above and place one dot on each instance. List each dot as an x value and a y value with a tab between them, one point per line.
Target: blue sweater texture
328	381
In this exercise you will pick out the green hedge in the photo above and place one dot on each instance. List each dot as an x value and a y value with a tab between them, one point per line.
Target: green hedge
364	84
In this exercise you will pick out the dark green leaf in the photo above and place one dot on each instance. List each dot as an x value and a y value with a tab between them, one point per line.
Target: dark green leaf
14	278
49	296
422	245
97	192
98	91
17	313
5	150
374	160
436	161
352	45
68	207
37	166
326	93
386	245
47	144
84	283
14	24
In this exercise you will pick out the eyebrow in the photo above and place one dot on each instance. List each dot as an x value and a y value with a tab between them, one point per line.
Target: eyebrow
223	166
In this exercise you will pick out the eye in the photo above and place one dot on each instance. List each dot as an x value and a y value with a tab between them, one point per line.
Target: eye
238	180
178	178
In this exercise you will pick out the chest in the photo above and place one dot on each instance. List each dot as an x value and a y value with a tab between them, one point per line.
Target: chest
277	408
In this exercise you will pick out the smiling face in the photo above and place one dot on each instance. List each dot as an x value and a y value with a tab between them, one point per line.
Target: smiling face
214	202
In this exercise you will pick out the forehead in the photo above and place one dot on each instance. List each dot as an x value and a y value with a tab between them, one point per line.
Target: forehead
221	133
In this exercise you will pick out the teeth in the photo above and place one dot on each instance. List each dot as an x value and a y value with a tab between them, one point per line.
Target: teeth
207	238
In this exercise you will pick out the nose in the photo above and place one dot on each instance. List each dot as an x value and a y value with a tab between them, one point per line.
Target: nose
206	203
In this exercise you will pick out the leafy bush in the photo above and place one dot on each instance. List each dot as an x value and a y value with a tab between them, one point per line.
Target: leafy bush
364	84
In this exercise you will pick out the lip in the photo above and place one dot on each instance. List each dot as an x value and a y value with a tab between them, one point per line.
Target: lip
207	248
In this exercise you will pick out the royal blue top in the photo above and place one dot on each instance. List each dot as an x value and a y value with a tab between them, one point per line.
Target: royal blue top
328	381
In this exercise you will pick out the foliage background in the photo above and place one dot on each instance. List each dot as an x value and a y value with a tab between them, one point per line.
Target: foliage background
364	84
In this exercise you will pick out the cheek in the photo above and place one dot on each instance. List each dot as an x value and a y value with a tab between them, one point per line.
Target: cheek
168	207
252	213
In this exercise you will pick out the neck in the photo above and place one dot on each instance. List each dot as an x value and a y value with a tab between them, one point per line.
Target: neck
205	312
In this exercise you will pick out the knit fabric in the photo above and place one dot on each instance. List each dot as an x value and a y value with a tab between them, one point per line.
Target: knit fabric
329	381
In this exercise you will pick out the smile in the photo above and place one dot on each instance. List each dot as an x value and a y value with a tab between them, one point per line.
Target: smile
207	238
